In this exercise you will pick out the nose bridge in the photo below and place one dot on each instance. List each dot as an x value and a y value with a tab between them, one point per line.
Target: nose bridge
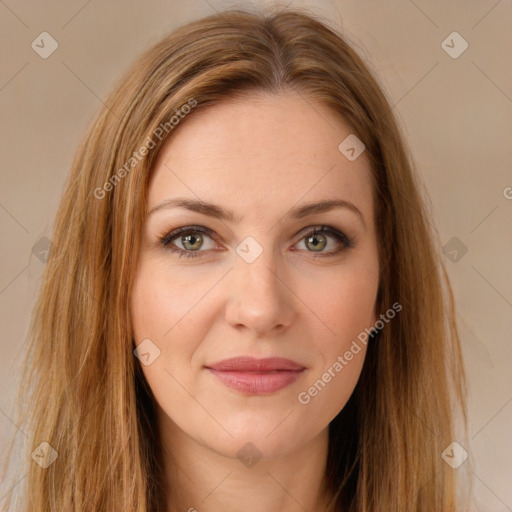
261	276
260	299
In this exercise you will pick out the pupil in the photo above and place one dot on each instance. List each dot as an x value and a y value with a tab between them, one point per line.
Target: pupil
314	240
191	239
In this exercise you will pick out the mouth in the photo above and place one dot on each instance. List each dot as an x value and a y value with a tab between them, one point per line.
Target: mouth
257	383
256	376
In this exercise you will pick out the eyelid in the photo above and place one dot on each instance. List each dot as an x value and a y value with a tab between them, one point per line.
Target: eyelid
342	238
345	241
171	235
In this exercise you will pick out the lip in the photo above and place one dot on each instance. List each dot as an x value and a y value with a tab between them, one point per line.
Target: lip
256	376
251	364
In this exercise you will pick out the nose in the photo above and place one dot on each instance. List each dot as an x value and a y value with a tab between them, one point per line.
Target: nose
261	300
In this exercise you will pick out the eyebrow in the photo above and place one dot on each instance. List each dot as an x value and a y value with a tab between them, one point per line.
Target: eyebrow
218	212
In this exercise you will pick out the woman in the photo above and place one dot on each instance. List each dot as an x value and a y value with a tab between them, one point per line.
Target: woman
244	304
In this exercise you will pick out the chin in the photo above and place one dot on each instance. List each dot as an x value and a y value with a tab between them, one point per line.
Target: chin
259	439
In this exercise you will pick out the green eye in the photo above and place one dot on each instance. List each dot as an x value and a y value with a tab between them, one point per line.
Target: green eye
192	239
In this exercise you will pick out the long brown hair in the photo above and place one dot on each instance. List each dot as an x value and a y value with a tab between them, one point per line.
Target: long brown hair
84	391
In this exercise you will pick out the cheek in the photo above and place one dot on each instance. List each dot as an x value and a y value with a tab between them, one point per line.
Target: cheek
344	300
347	305
162	300
162	310
327	393
173	310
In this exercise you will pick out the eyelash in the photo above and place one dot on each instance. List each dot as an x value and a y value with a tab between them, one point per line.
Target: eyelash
166	240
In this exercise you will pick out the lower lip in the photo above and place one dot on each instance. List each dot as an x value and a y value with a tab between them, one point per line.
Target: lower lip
257	383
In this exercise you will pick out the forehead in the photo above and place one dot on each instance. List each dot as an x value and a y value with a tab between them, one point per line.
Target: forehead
259	153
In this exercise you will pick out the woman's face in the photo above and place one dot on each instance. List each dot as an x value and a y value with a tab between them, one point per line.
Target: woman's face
258	283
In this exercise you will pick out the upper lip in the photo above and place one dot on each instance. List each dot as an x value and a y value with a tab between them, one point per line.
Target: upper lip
248	364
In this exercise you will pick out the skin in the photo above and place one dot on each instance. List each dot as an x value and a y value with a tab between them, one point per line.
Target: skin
258	156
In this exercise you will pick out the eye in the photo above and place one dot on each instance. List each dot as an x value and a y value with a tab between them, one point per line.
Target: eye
315	240
191	239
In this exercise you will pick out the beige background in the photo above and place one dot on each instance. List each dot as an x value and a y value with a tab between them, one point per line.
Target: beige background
456	114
